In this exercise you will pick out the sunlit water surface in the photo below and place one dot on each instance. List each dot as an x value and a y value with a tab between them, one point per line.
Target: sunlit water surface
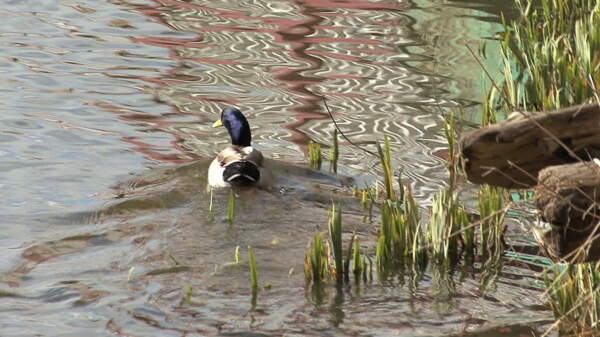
105	140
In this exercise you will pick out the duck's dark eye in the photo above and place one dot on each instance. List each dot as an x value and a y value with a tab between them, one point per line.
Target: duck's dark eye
226	123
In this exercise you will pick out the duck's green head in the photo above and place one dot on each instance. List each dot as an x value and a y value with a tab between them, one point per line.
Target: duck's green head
237	126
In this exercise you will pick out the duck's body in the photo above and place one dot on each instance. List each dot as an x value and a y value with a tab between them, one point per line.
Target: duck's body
239	164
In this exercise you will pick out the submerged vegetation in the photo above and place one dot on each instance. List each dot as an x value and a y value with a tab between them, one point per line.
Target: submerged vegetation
314	154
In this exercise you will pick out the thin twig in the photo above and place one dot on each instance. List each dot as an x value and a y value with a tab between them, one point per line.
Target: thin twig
340	131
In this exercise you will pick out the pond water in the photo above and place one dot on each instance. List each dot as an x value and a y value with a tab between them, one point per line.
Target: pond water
105	139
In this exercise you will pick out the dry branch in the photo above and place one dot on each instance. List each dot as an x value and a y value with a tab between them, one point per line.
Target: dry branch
511	154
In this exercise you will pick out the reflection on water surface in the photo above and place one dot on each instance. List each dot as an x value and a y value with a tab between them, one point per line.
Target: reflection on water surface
95	92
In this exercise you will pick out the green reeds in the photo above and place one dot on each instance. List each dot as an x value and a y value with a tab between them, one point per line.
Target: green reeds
237	256
574	296
399	237
324	259
334	153
443	232
468	235
316	265
231	207
367	200
386	162
187	292
314	154
358	264
362	267
449	230
453	152
550	57
316	260
401	188
405	242
491	224
491	228
551	60
174	259
411	211
253	275
335	235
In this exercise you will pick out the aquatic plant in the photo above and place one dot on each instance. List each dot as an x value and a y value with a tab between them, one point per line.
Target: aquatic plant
405	242
574	296
362	266
253	275
367	200
237	256
129	277
335	235
446	220
467	235
389	242
187	292
399	239
385	158
231	207
550	58
316	265
349	258
314	154
6	293
453	162
492	211
173	258
491	224
358	263
334	152
324	259
401	187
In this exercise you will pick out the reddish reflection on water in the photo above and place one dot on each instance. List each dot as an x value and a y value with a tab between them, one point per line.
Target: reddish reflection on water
298	38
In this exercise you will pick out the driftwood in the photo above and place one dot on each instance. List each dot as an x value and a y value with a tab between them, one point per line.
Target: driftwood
569	199
553	153
511	154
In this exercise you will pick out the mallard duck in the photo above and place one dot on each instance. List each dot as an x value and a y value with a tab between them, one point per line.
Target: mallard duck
239	164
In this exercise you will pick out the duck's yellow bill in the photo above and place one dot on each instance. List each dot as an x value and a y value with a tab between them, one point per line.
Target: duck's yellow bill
217	124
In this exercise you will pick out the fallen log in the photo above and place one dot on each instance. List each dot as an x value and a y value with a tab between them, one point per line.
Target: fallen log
569	199
512	153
